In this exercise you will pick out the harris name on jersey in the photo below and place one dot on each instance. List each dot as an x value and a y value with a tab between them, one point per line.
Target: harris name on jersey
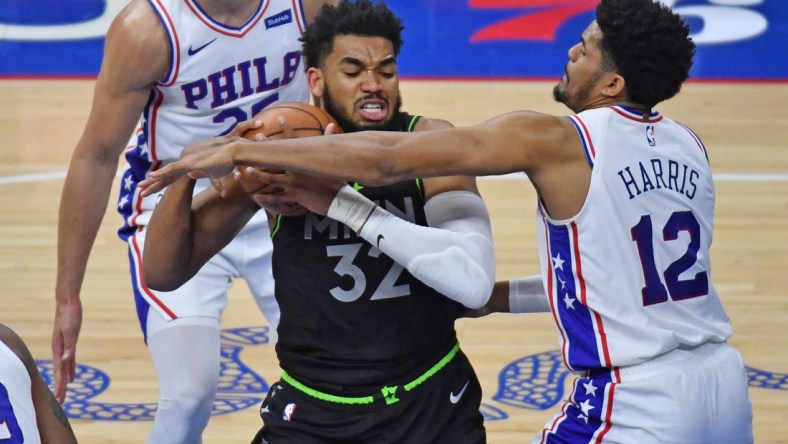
659	174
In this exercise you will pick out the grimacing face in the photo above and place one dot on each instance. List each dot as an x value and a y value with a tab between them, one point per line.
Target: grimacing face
582	72
360	83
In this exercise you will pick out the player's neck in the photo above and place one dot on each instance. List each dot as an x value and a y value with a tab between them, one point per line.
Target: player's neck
229	12
617	101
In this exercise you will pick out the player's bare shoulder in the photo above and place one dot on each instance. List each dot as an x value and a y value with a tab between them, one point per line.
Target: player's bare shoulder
540	138
137	19
137	34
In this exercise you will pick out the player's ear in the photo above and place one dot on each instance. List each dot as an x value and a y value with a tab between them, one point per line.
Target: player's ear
613	84
316	82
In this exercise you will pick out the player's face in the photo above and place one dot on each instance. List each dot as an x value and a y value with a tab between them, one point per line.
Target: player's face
578	87
361	84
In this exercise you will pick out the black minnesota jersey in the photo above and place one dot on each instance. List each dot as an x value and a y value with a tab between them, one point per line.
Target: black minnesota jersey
350	315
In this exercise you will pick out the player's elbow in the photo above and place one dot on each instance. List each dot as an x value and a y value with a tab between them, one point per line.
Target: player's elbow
480	293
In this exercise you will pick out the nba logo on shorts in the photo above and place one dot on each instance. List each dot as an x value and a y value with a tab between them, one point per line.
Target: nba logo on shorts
288	413
650	136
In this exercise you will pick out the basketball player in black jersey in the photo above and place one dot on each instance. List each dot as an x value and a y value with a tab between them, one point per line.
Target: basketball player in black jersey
367	344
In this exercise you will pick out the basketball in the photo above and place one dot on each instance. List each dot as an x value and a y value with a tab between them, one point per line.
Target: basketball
303	119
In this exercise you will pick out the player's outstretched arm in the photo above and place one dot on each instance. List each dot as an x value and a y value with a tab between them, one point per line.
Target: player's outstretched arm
53	425
514	142
121	91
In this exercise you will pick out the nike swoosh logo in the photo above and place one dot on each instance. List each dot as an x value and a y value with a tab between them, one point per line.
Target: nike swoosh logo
380	238
454	399
194	51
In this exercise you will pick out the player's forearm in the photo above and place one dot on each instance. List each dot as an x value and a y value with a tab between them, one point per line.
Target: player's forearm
454	255
169	239
499	299
522	295
83	204
383	157
357	157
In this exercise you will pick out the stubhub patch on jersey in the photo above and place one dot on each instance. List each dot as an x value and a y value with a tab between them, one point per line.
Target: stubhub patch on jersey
279	19
737	39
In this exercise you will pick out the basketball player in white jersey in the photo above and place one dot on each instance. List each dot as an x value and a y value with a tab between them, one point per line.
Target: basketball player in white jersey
29	413
184	70
625	219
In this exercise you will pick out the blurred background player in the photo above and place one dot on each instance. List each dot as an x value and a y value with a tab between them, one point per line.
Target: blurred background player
366	338
29	413
626	212
183	70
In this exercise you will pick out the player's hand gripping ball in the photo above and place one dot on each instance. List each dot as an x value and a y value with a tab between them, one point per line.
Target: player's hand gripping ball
304	120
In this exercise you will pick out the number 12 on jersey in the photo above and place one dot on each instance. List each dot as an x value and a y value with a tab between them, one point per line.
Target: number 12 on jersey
656	291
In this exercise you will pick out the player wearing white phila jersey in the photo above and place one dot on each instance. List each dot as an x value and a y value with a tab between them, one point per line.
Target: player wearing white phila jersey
218	76
652	198
191	69
651	201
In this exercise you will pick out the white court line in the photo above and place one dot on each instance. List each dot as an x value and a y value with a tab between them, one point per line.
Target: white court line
722	177
36	177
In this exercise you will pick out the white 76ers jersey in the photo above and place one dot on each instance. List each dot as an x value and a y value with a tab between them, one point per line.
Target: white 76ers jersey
629	277
218	77
17	412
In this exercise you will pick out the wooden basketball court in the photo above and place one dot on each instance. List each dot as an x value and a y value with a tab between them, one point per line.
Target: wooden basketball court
744	127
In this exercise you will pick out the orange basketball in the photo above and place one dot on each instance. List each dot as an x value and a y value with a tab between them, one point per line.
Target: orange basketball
304	119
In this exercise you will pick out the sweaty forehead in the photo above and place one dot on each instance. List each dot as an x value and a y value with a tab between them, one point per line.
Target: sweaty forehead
368	50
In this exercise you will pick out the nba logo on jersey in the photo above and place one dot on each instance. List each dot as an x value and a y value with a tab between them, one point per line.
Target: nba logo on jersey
650	136
288	413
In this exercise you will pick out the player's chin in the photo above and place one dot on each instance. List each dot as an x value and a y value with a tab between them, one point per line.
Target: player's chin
376	125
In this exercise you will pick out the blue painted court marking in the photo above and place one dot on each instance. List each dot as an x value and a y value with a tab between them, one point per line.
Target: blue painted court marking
240	387
534	382
766	379
492	413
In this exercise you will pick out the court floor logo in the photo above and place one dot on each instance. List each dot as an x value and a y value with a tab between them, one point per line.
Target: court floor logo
534	382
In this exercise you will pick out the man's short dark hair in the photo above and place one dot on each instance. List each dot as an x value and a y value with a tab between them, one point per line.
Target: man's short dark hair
648	45
361	17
